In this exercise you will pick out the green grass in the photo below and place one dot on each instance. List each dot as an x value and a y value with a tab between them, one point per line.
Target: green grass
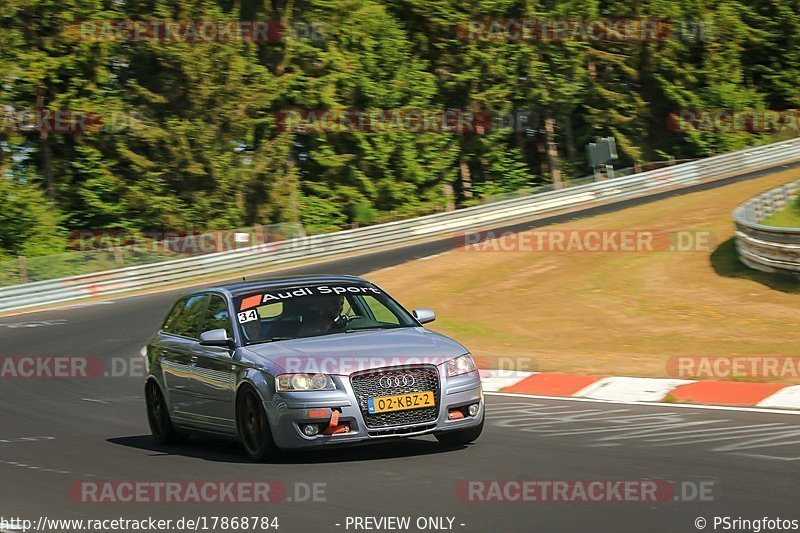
788	217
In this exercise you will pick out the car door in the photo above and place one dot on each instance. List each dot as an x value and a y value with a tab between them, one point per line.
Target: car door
213	380
178	346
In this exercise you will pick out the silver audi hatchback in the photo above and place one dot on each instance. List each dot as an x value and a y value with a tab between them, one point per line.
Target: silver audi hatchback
307	362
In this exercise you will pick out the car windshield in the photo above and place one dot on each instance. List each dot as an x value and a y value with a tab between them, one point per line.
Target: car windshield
315	310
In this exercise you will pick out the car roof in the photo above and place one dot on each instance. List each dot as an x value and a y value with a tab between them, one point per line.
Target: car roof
245	287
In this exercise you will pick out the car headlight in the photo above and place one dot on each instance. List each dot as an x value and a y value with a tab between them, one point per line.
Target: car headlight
303	382
460	365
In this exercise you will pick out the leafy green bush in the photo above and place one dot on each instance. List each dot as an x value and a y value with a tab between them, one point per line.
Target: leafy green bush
29	224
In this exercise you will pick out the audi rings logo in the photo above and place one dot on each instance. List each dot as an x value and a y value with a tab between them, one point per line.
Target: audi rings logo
388	382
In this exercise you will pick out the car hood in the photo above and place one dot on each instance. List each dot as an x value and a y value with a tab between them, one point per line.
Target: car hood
346	353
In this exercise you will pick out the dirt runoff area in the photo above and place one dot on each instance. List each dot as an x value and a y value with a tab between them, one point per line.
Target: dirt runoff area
617	294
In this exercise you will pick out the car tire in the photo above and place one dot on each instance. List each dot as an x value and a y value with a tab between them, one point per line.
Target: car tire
460	437
158	416
254	431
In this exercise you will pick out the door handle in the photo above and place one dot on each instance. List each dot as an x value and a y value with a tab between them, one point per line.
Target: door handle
194	360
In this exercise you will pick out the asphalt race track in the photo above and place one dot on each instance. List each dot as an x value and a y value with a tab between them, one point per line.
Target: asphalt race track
56	433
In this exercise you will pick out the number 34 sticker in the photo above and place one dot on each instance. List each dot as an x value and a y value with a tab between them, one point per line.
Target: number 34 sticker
247	316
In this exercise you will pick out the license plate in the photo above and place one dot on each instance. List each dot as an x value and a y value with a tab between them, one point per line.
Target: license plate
401	402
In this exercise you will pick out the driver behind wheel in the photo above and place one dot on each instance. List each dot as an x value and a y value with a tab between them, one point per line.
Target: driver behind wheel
320	314
254	331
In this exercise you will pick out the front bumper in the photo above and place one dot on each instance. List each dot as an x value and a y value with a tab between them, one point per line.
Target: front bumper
289	411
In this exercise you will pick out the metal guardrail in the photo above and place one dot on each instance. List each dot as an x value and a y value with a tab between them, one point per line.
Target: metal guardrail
101	251
763	247
151	276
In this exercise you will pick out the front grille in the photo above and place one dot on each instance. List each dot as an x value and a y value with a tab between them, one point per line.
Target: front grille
399	431
368	385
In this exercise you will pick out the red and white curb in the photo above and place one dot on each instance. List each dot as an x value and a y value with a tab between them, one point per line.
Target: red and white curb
628	389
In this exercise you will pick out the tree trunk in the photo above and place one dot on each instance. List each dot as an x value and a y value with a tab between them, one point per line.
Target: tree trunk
552	151
569	136
466	180
450	203
45	150
519	134
46	159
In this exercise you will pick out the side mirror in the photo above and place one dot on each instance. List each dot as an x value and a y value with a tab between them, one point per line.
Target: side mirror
216	337
424	316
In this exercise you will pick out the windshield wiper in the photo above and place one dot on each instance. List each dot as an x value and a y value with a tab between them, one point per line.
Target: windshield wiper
350	330
373	328
273	339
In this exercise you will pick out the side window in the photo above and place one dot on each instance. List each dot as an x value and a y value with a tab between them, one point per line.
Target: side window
217	316
188	320
380	311
169	322
347	308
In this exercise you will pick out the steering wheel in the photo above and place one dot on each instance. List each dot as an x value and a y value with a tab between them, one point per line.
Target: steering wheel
341	321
